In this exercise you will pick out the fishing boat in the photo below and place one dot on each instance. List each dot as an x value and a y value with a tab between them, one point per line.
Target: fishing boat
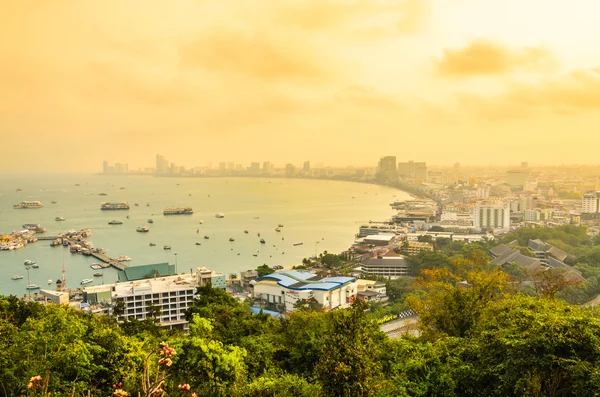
280	225
142	229
115	222
36	266
32	286
246	231
206	237
231	239
254	254
166	247
86	281
262	240
29	262
16	277
150	221
197	243
98	274
277	229
59	219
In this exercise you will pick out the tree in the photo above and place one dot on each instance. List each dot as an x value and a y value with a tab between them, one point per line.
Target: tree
118	308
263	270
549	282
310	304
450	301
153	311
348	365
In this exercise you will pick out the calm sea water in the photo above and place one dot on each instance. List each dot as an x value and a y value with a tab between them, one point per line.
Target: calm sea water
323	215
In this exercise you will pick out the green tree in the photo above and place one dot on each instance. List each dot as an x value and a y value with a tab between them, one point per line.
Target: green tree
263	270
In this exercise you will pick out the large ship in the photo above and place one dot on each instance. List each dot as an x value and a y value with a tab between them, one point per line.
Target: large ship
178	211
28	205
124	205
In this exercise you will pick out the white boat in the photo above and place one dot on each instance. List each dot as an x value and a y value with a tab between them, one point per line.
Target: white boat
124	258
49	282
86	281
59	219
32	286
29	262
219	215
16	277
96	266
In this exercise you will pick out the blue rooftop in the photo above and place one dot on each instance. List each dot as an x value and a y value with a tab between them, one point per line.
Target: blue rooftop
300	280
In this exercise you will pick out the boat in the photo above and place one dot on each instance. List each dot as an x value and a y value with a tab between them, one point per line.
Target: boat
142	229
32	286
102	194
206	237
49	282
136	204
59	219
280	225
296	244
86	281
53	202
16	277
246	231
28	205
115	222
123	205
166	247
98	274
147	204
19	190
219	215
262	240
96	266
201	222
29	262
150	221
124	258
36	266
277	229
254	254
197	230
34	227
231	239
197	243
178	211
152	245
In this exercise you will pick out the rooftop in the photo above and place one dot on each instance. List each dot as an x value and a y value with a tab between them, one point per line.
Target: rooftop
305	280
163	284
146	271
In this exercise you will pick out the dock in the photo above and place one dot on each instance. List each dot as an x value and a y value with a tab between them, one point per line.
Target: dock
101	257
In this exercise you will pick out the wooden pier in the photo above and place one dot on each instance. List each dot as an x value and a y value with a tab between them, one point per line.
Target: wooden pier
101	257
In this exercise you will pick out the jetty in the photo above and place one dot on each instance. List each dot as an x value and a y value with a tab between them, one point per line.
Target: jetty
108	260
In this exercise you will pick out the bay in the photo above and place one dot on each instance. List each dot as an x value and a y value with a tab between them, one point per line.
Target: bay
323	215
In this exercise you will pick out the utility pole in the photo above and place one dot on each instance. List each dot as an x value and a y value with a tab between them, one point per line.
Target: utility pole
28	283
176	263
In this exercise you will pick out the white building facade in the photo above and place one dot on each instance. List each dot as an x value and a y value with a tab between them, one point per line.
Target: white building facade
491	216
591	203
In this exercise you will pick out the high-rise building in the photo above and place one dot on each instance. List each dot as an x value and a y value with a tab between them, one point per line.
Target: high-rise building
105	167
516	179
591	203
231	165
290	170
413	170
254	167
162	164
491	216
222	166
267	167
386	169
483	192
306	166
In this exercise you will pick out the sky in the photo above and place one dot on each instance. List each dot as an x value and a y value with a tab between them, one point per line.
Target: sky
342	82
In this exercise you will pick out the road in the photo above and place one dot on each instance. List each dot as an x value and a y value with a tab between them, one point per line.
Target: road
397	328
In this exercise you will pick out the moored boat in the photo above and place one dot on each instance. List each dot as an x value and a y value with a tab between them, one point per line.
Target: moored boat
219	215
28	205
59	219
49	282
16	277
152	245
296	244
115	222
86	281
32	286
231	239
98	274
166	247
150	221
262	240
28	262
142	229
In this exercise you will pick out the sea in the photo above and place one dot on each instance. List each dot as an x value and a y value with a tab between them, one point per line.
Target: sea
323	215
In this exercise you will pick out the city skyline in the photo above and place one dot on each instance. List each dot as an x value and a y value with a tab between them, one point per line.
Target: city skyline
473	81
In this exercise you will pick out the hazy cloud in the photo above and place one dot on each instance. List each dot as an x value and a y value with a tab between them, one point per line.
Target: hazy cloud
488	58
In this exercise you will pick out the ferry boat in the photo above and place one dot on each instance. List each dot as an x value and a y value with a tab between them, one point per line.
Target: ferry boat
178	211
86	281
114	222
166	247
34	227
142	230
219	215
29	262
32	286
150	221
59	219
16	277
28	205
124	205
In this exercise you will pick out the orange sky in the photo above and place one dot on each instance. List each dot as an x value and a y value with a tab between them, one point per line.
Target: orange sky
334	81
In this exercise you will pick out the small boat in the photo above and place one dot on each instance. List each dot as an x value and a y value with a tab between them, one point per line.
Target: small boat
201	222
32	286
258	234
29	262
254	254
53	202
256	217
280	225
245	231
96	266
142	229
150	221
197	243
98	274
16	277
297	244
231	239
262	240
49	282
197	230
152	245
115	222
206	237
19	190
136	204
147	204
127	216
35	266
277	229
102	194
166	247
86	281
59	219
124	258
219	215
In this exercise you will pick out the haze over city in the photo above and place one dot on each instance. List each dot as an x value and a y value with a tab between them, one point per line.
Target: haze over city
338	82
